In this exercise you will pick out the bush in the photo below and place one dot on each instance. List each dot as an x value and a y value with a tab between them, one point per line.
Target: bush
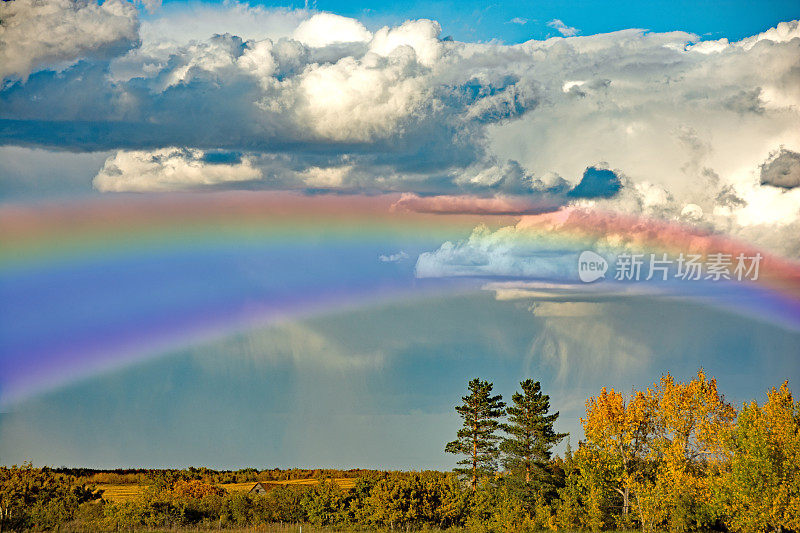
40	499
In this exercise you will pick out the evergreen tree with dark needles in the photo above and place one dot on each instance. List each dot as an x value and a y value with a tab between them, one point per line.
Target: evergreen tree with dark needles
476	439
530	436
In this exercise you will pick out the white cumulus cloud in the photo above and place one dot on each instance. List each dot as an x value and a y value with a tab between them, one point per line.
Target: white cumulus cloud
38	33
327	28
393	258
563	29
162	169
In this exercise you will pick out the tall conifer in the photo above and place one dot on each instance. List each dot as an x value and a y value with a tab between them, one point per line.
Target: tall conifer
527	448
476	439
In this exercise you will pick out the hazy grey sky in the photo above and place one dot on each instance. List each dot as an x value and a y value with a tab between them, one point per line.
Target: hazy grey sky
376	387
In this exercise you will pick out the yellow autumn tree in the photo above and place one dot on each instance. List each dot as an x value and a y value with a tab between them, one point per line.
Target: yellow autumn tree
659	449
688	450
618	430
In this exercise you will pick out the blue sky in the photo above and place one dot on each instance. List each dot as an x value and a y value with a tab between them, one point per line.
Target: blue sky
514	22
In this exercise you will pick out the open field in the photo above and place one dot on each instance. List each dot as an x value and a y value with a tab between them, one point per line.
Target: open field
127	491
119	493
343	482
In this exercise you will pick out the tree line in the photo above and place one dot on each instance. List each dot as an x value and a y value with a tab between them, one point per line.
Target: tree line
138	476
675	456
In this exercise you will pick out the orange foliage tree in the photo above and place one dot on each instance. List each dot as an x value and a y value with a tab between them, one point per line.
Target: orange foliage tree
689	449
195	488
659	448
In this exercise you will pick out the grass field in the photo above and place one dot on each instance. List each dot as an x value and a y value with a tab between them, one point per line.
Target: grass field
119	493
126	492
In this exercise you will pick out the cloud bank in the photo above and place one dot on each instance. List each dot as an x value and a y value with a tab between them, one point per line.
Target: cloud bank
167	169
663	125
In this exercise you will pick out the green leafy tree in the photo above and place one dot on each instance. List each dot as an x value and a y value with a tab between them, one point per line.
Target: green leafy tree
496	509
531	437
477	439
568	506
284	505
38	498
324	504
759	490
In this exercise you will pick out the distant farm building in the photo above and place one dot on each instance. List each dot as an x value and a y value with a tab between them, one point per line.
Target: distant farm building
258	488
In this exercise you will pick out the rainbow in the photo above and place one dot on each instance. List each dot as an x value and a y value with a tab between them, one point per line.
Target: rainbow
94	284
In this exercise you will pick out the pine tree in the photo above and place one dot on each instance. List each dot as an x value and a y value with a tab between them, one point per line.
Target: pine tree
477	439
526	450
